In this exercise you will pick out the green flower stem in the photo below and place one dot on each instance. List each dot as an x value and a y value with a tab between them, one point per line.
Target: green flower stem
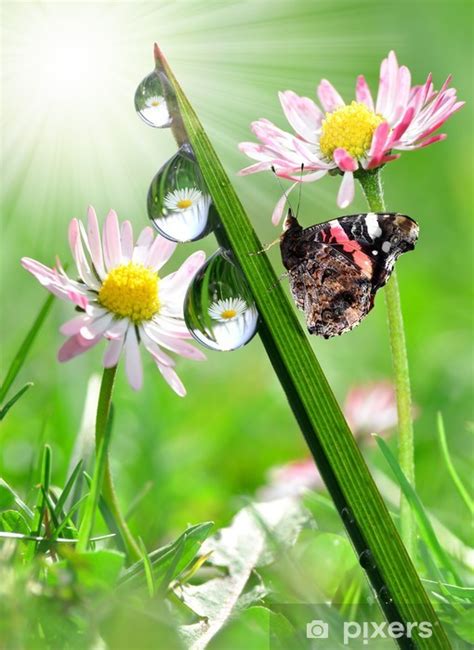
102	477
371	183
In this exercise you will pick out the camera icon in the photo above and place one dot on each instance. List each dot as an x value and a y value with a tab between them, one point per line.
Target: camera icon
317	630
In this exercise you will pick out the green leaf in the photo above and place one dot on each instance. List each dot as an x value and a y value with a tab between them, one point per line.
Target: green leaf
25	347
184	548
251	630
424	524
7	499
329	439
93	570
14	399
14	522
4	488
257	535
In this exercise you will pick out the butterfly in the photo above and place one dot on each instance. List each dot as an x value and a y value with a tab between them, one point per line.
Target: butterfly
336	268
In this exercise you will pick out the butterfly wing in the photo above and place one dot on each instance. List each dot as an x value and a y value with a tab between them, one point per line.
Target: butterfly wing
335	268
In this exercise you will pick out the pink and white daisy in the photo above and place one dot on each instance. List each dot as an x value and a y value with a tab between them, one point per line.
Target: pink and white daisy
121	297
346	138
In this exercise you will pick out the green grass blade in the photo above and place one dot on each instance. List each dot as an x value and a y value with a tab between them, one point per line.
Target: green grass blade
58	510
25	347
424	524
450	466
148	568
332	445
14	399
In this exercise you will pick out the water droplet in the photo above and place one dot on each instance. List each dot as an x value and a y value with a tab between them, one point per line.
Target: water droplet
219	309
150	101
366	560
178	202
347	516
385	596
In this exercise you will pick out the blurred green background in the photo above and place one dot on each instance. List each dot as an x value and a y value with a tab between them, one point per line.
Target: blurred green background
71	137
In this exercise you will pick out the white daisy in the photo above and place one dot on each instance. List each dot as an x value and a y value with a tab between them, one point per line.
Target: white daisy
227	309
234	324
186	213
122	298
155	112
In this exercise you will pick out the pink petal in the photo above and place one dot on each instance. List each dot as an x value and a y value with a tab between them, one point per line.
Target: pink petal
144	241
253	169
178	346
280	206
133	362
329	97
363	94
126	239
112	244
73	326
344	161
173	380
302	113
82	264
387	85
153	348
401	127
95	245
378	148
97	326
176	284
159	253
346	190
74	346
113	352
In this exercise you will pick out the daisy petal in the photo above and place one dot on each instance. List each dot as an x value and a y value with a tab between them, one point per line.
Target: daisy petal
133	362
113	352
126	239
363	94
74	346
112	244
73	326
280	206
173	380
302	113
329	97
344	161
346	190
95	245
160	252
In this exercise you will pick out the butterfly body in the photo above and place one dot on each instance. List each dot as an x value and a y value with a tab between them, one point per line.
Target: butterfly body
336	268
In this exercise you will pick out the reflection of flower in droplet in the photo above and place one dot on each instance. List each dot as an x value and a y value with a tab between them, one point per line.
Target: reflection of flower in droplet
234	323
186	213
227	309
156	111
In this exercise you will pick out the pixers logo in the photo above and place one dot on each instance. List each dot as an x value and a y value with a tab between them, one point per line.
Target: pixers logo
370	630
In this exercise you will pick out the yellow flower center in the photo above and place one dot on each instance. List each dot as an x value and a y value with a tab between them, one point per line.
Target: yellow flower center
228	314
349	127
131	291
155	103
184	203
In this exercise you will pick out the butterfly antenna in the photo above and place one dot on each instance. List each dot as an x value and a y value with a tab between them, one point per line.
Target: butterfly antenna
299	191
285	192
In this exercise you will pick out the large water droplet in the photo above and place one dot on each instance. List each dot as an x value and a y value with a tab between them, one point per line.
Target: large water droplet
150	100
219	309
178	203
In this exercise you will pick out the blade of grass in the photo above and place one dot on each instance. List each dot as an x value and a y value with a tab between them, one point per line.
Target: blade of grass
20	356
19	502
58	510
450	466
45	480
331	443
424	524
14	399
148	569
